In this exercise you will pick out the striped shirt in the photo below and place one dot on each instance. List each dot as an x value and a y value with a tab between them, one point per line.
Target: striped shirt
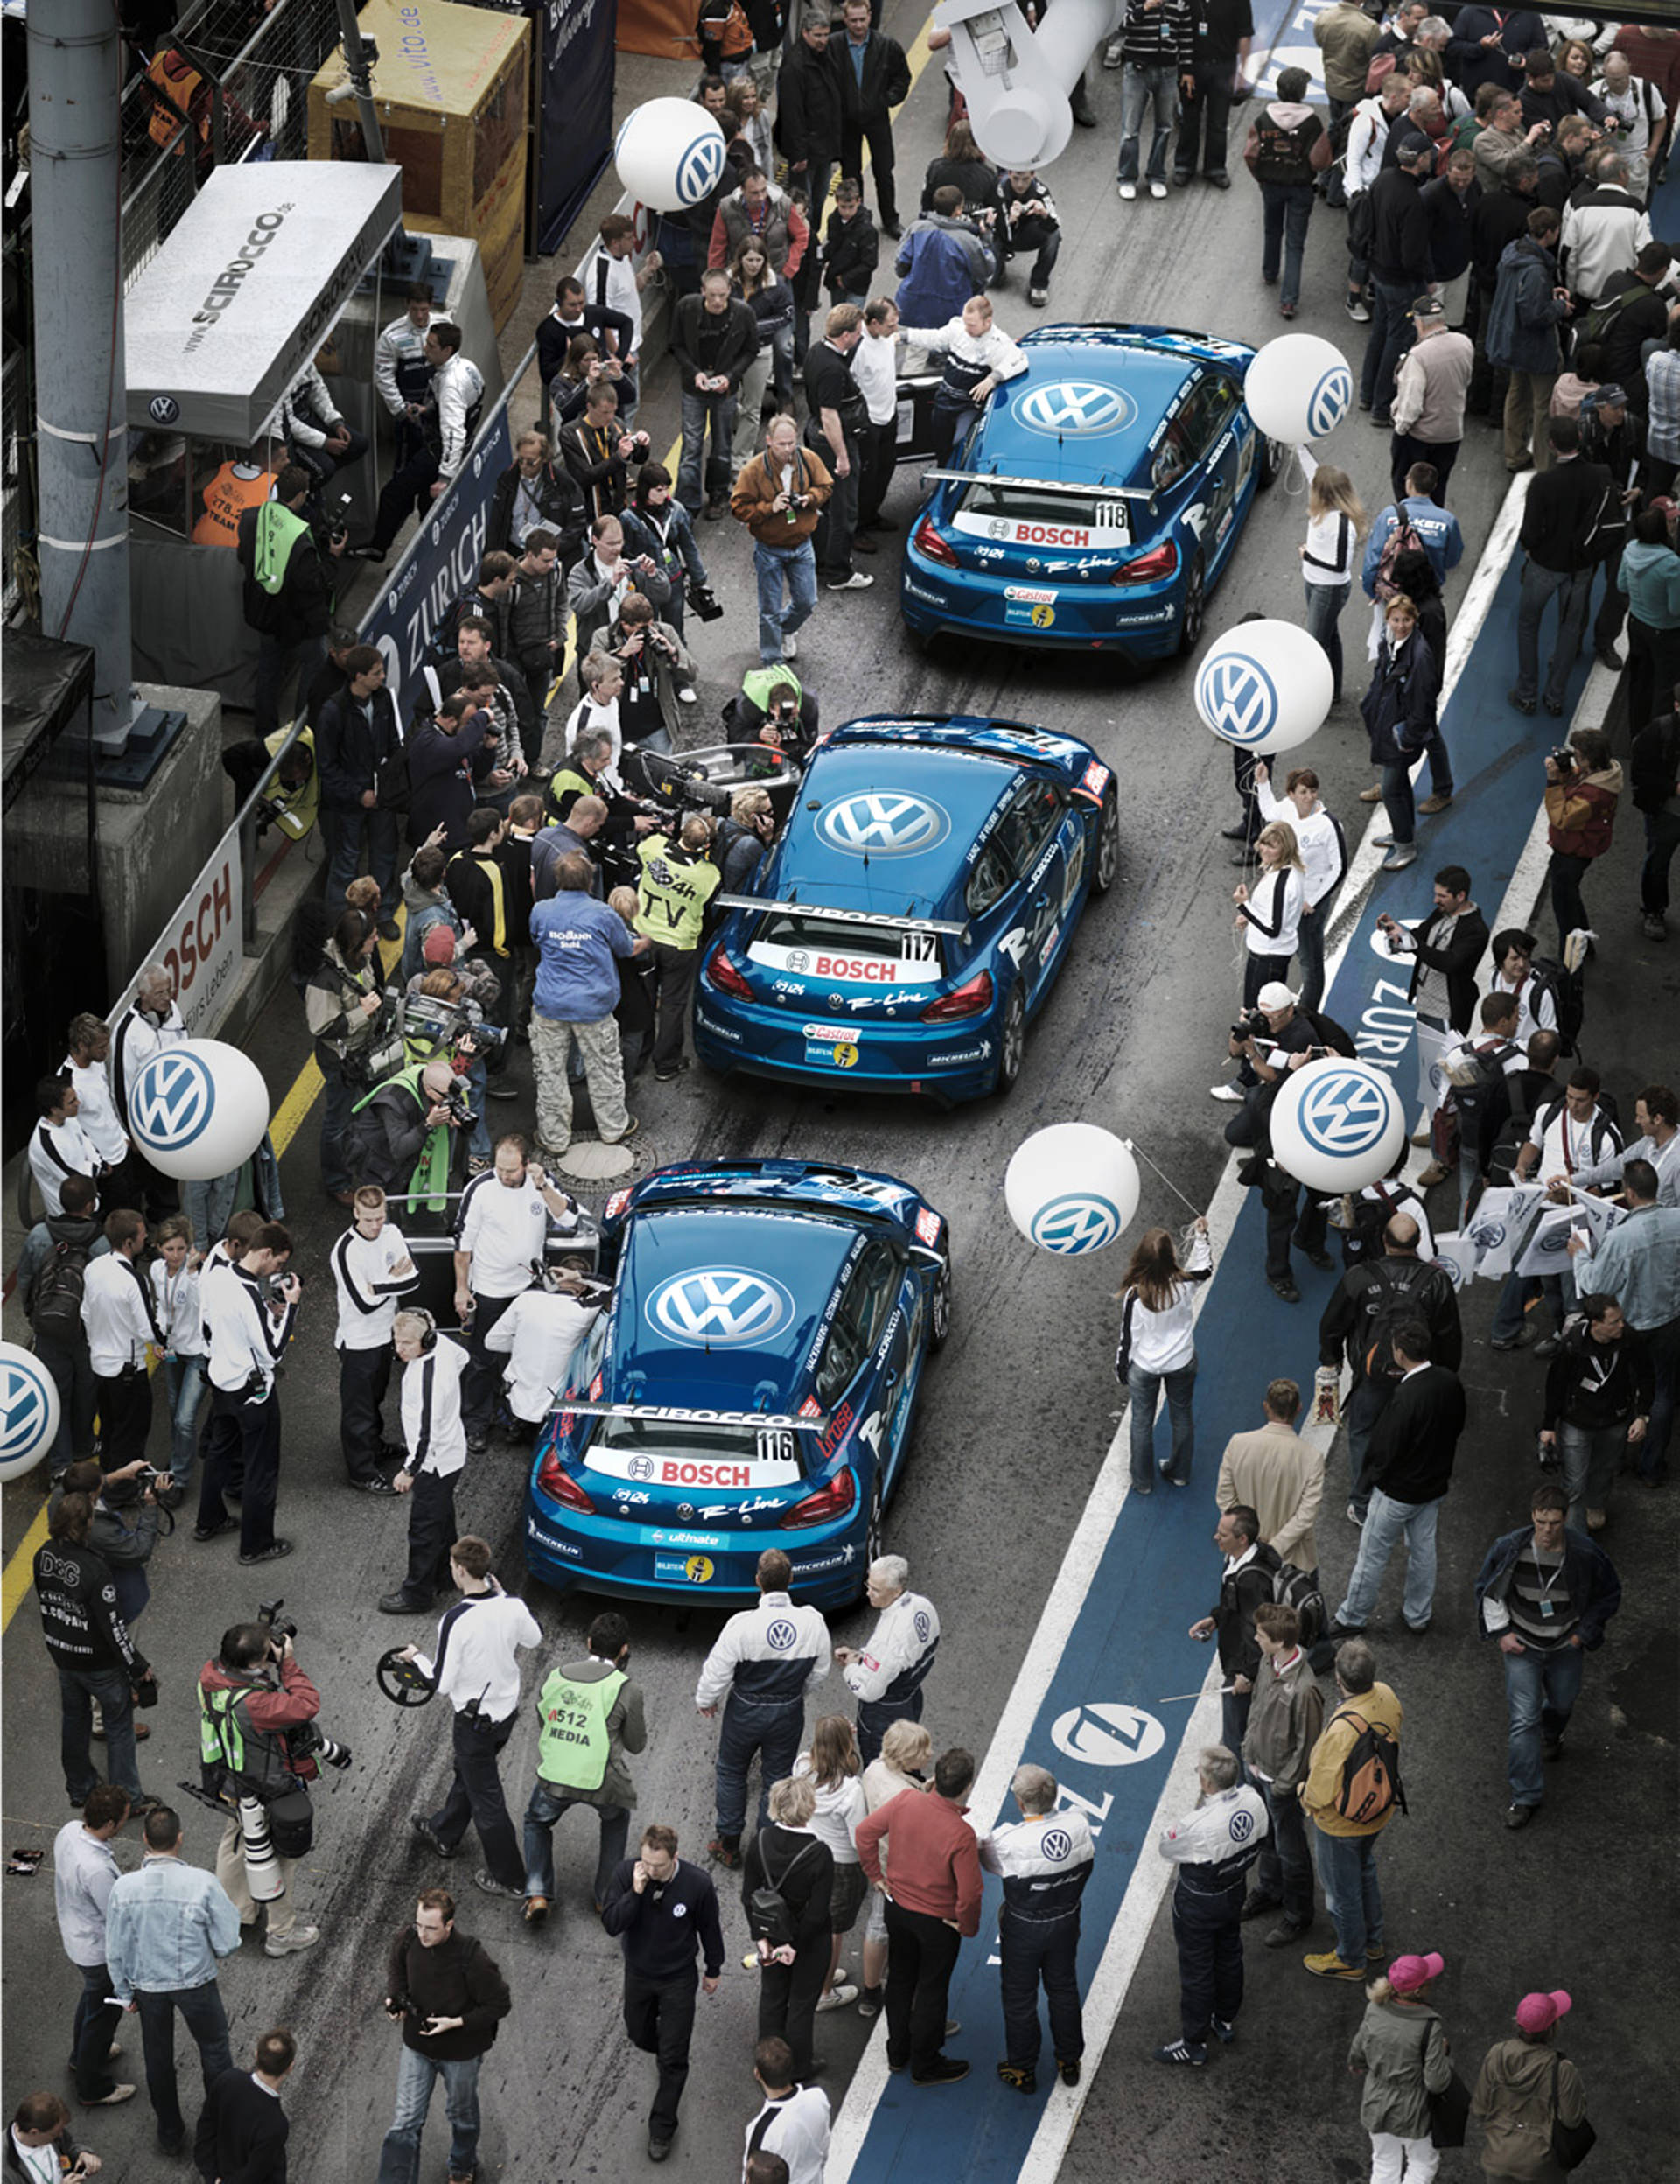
1663	385
1542	1614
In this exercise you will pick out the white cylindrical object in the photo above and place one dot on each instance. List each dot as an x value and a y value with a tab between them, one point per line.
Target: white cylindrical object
1023	129
262	1867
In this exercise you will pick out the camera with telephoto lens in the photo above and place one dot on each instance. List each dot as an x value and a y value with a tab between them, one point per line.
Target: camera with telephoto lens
306	1741
279	1626
1249	1025
1565	758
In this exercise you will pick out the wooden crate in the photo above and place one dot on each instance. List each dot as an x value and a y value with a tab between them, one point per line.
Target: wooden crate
452	89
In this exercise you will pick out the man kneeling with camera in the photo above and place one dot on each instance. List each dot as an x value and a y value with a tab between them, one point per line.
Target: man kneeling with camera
259	1747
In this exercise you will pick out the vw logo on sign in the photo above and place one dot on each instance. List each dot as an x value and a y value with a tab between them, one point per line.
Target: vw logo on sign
724	1307
884	824
162	409
700	166
1487	1235
1237	698
1344	1113
29	1407
1068	408
1076	1222
1330	401
1555	1242
173	1098
781	1635
1055	1842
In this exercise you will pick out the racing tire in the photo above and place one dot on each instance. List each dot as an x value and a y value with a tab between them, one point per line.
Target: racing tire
1012	1040
1193	612
1272	459
939	1309
1106	870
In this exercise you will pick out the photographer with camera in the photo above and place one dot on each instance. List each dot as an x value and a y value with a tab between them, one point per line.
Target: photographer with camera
1271	1040
258	1744
353	1034
401	1133
657	524
124	1531
1583	788
658	674
779	497
774	709
449	1997
248	1335
289	588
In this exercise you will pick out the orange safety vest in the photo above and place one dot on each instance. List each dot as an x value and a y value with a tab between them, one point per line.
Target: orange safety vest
235	488
181	84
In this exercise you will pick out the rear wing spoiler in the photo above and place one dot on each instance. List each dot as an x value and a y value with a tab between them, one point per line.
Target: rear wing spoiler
843	917
664	1414
1068	486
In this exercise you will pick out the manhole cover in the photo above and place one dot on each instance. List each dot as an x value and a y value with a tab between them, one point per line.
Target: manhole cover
593	1162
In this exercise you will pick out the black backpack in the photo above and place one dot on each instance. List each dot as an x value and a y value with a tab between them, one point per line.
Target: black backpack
1362	1240
1656	762
1327	1033
1568	991
1299	1589
1394	1297
768	1912
55	1302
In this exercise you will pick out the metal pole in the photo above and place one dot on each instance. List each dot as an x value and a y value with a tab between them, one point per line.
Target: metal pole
80	385
361	73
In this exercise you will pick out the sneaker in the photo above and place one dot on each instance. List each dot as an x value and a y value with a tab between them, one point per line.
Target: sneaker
491	1886
1375	1953
1519	1815
1020	2075
839	1997
1192	2051
677	1069
477	1440
1322	1260
1038	298
289	1945
1158	189
789	646
861	545
1607	656
203	1532
1128	192
1398	857
1067	2069
629	1130
1652	926
375	1485
114	2098
1285	1931
1339	1630
477	1163
1286	1289
1357	310
1546	1347
943	2071
1230	1093
1286	310
658	2149
1113	54
1330	1966
1224	2031
1508	1342
537	1910
401	1603
276	1552
1371	795
1437	802
868	2002
1182	177
429	1836
855	581
726	1849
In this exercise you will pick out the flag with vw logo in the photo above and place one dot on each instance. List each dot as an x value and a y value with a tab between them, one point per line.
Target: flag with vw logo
198	1110
720	1307
29	1411
1265	686
1337	1125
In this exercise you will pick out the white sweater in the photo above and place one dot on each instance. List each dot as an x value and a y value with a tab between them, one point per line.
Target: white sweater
1324	847
1161	1342
1271	916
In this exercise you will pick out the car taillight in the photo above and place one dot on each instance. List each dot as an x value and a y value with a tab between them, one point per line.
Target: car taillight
968	999
1149	568
723	974
559	1484
934	543
822	1507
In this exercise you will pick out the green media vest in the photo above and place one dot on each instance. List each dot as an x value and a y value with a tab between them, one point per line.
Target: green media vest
573	1747
757	685
279	529
671	896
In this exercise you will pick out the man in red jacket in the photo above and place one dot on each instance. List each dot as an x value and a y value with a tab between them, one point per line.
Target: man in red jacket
933	1902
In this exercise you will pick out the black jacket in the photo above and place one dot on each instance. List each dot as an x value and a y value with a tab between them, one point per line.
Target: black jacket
806	1886
851	252
1643	317
1457	961
459	1978
553	339
1368	1290
383	1139
64	2147
559	501
242	2134
1498	219
81	1621
1399	229
1589	1575
351	746
443	773
719	343
1451	224
1564	516
886	79
1596	1384
302	606
601	472
807	107
1239	1595
1416	1437
659	1930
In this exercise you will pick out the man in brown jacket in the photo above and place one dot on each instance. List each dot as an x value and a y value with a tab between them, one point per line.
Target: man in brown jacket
1279	1476
778	496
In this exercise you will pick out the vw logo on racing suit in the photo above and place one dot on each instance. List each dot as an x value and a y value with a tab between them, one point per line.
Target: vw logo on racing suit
28	1407
1068	407
781	1635
1241	1826
1330	402
174	1097
883	823
1237	698
1055	1842
1345	1112
1076	1222
724	1308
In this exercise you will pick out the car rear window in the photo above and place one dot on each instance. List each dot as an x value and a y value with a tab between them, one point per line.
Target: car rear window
1019	515
850	955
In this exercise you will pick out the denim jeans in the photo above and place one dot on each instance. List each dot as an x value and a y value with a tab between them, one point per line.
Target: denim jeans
93	2033
1141	90
399	2158
1541	1690
1390	336
1283	1868
78	1688
204	2017
185	1382
1386	1522
1662	840
1591	1458
1664	1343
795	566
1145	1388
701	413
344	831
208	1204
1352	1895
1288	207
1324	605
1398	803
1573	591
546	1806
771	1729
1511	1313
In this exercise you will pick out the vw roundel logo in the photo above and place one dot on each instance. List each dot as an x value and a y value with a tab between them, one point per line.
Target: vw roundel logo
1487	1235
162	409
1555	1242
1055	1842
1241	1826
1330	402
878	822
924	1625
27	1401
1068	408
781	1635
725	1307
1076	1222
700	166
1454	1269
1344	1113
173	1098
1237	698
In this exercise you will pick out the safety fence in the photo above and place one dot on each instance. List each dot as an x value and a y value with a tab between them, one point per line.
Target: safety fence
20	583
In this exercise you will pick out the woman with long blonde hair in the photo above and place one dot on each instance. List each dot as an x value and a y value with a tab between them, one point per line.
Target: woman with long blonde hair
1269	913
1335	523
1157	1349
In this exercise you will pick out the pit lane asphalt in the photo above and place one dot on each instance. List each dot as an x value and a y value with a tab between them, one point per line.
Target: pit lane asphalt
1013	1423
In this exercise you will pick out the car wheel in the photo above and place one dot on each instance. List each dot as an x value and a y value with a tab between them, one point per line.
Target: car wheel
1272	457
1011	1039
1107	868
1195	607
939	1309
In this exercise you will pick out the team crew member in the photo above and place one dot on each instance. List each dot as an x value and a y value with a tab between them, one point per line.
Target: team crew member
979	357
501	1228
887	1677
676	882
591	1713
540	1333
793	2127
372	1268
116	1317
448	419
151	1020
402	374
932	1900
96	1658
477	1669
458	1997
249	1695
436	1442
247	1339
663	1911
763	1661
1044	1859
60	1146
1213	1847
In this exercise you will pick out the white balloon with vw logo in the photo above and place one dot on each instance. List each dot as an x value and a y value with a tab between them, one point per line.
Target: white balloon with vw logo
883	822
1298	387
198	1110
29	1411
669	153
1071	1188
720	1308
1337	1125
1264	687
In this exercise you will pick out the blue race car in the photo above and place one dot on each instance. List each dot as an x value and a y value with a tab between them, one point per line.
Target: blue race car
915	911
750	1385
1096	499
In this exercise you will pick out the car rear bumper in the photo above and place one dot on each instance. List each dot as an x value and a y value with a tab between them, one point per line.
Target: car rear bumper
643	1562
953	1066
1140	623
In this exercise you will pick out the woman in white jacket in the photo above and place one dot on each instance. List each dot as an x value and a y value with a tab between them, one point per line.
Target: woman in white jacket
1324	861
1157	1349
1269	913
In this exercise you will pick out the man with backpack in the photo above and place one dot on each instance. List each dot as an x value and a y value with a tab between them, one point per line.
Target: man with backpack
1251	1566
1351	1793
1413	523
1410	1462
1478	1105
1656	783
1371	1302
50	1271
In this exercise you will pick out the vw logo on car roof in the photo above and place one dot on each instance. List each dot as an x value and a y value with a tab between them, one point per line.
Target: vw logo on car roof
1068	407
720	1307
875	822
